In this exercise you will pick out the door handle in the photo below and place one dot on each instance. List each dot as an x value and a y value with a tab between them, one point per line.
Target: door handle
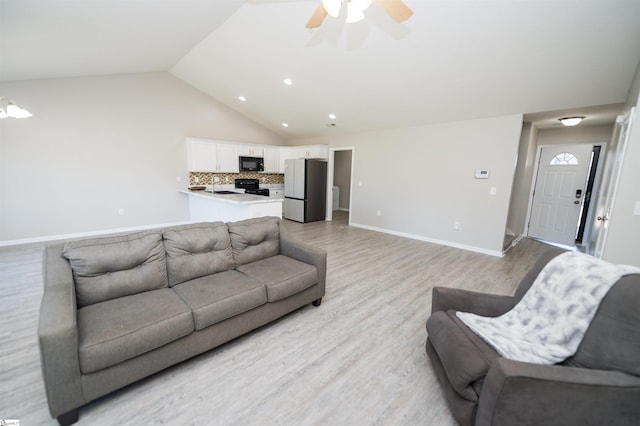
603	218
576	202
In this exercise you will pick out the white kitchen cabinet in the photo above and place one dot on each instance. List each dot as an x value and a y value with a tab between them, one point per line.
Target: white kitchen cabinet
312	151
204	155
286	154
210	156
251	151
201	156
271	160
276	193
227	158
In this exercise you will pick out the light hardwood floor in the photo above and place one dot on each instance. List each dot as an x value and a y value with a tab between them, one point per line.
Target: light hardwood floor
358	359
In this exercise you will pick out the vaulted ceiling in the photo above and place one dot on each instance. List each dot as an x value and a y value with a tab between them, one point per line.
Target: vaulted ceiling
452	60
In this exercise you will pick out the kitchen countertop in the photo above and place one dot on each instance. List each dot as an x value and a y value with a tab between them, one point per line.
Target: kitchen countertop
233	198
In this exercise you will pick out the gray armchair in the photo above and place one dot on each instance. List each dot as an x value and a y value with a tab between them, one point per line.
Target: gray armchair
599	385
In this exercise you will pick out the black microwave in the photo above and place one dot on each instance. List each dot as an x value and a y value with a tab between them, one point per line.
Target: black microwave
251	164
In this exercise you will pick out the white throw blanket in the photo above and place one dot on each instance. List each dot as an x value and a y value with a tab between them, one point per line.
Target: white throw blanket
549	322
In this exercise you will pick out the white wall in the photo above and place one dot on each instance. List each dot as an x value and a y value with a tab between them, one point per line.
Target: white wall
522	181
422	180
623	240
99	144
575	135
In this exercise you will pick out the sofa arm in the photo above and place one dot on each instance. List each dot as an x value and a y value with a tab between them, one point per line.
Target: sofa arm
521	393
304	253
58	335
489	305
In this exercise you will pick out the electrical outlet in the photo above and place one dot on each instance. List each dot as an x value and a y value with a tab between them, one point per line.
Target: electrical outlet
457	225
196	179
120	211
379	213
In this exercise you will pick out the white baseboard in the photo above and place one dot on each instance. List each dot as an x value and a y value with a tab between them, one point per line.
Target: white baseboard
514	242
430	240
86	234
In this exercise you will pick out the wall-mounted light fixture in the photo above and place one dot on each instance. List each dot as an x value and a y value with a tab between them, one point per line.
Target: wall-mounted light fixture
571	121
10	110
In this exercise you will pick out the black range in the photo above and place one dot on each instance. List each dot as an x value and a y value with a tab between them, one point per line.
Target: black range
251	186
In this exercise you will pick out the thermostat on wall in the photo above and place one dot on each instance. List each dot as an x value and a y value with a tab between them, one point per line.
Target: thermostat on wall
482	174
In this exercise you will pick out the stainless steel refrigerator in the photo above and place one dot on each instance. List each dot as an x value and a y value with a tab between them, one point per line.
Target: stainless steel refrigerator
305	190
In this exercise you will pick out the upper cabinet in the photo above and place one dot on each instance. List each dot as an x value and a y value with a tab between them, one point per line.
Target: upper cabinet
272	160
312	151
228	158
201	156
209	156
222	157
286	154
251	151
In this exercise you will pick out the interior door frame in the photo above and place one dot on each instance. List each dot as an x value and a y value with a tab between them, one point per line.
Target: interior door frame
623	126
534	178
330	171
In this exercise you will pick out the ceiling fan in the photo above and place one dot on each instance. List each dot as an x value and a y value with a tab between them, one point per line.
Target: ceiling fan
399	11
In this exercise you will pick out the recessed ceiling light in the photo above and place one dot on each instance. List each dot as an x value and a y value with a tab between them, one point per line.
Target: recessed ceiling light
287	81
242	98
332	116
285	125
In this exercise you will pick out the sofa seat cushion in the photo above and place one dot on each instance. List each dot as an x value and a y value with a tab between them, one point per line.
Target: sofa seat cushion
119	329
282	276
254	239
217	297
196	250
112	267
465	357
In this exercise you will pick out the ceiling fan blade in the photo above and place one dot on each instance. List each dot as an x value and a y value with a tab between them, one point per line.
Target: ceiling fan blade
317	17
399	11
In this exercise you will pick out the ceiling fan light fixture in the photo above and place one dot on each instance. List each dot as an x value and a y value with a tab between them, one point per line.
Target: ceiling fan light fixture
332	7
10	110
355	8
571	121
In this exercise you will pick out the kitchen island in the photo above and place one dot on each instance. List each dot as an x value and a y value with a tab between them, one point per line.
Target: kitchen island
210	207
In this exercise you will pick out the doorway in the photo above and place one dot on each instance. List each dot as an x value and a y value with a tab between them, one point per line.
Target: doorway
339	180
563	187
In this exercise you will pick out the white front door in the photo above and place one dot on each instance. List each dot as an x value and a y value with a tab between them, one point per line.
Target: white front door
559	193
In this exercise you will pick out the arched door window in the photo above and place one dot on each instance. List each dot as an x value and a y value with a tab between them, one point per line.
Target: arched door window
564	159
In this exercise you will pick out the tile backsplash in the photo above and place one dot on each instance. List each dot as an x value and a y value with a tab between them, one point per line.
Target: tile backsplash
205	178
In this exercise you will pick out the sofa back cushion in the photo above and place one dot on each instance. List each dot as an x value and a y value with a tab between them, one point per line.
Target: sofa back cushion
547	253
612	341
255	239
197	250
108	268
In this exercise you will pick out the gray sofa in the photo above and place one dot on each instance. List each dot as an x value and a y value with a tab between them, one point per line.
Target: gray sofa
599	385
118	309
